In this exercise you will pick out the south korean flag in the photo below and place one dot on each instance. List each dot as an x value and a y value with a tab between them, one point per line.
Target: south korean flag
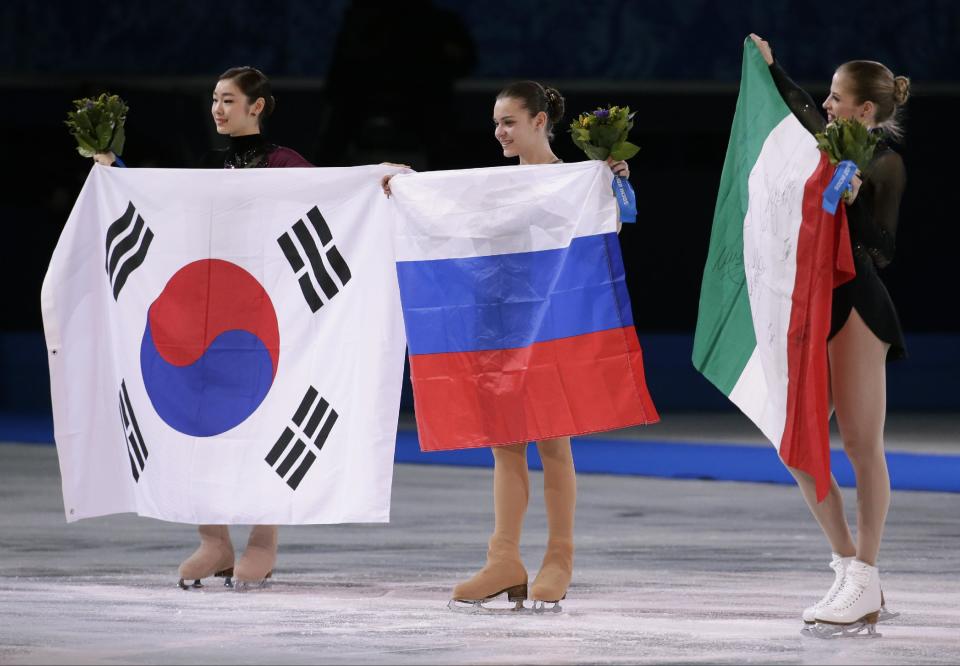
226	346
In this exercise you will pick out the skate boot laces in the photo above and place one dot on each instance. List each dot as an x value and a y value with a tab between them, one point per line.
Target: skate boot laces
852	587
839	567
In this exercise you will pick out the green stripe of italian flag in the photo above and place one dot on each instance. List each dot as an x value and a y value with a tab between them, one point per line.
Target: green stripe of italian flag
775	256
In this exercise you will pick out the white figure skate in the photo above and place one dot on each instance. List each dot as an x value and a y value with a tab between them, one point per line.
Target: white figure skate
839	566
855	608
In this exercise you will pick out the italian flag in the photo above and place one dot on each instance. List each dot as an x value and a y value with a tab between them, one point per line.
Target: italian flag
775	257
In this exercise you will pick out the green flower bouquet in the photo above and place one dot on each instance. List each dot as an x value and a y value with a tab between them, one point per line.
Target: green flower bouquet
603	133
97	124
849	146
847	139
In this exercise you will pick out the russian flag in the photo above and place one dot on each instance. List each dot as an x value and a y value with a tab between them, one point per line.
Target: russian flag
519	324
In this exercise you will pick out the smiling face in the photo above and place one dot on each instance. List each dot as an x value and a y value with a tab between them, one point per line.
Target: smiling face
232	113
518	132
842	103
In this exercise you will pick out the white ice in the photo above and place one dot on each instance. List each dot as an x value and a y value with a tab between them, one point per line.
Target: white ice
666	571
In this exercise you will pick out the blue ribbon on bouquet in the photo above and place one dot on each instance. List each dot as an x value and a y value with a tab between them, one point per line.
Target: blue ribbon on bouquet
118	162
841	182
626	199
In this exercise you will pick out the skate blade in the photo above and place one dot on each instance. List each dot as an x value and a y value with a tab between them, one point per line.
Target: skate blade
184	585
485	607
831	631
886	615
252	585
543	607
226	574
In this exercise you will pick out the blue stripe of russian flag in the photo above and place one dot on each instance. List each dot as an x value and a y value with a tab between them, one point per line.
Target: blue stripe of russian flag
511	301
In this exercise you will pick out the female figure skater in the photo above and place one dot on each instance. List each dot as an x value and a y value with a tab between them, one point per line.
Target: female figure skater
242	100
524	116
865	334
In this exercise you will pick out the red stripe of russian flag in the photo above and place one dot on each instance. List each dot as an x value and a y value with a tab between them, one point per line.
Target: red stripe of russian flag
571	386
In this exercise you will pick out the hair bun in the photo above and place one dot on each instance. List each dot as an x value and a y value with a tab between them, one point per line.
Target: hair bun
901	90
555	104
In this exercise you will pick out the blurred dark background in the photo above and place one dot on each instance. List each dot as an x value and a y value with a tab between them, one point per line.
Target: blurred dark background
414	81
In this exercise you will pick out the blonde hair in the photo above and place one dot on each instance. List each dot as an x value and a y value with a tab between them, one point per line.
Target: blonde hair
872	81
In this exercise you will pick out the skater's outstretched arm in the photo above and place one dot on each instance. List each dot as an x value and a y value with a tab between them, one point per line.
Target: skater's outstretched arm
799	101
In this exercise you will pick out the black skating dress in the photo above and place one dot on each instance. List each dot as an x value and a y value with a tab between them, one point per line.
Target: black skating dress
873	227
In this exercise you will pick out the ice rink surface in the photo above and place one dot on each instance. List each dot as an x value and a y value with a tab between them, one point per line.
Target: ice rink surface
666	572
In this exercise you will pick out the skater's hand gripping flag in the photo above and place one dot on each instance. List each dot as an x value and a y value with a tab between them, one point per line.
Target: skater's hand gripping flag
514	299
226	346
775	256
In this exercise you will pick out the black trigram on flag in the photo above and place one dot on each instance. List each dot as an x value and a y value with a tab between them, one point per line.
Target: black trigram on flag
126	248
304	432
317	272
136	447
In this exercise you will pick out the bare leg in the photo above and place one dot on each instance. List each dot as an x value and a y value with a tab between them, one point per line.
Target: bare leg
858	377
504	570
560	497
829	513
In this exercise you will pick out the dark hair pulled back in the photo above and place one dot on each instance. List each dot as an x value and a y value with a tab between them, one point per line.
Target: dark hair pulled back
254	84
537	98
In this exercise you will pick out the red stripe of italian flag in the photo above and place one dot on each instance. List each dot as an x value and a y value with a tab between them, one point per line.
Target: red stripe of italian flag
767	287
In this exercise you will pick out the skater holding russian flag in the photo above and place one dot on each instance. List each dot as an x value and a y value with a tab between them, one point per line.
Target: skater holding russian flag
865	334
524	116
